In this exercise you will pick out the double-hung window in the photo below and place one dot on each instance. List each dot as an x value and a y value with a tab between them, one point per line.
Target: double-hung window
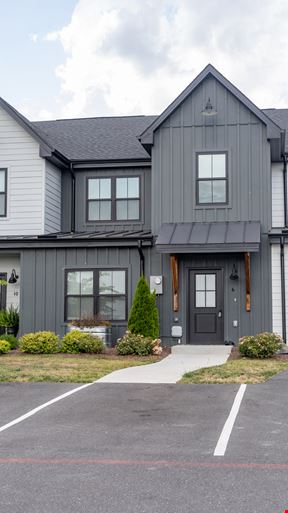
92	292
212	178
3	192
113	199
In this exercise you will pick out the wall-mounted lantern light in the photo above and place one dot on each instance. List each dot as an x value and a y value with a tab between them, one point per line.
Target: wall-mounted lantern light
14	277
209	109
234	275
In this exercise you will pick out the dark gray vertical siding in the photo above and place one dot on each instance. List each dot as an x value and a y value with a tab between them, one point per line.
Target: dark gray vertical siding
234	129
81	193
66	196
42	283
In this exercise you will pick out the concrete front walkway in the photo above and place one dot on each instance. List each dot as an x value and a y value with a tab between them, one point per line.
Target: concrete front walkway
169	370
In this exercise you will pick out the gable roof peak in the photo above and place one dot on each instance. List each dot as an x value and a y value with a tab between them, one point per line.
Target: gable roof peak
273	130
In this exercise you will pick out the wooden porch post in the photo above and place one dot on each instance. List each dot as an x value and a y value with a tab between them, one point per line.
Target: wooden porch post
175	282
248	282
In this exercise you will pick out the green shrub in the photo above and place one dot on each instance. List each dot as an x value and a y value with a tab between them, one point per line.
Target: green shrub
131	343
10	318
263	345
41	342
143	318
4	347
13	341
78	342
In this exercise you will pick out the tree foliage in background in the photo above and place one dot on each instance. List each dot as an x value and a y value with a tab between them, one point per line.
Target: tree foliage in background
144	318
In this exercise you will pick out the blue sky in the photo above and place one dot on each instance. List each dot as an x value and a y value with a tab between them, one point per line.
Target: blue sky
78	58
27	67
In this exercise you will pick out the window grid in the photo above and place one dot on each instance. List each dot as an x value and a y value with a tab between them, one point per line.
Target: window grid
122	206
214	187
3	192
205	290
97	299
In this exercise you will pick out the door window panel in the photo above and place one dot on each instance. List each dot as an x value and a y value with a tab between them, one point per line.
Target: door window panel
205	291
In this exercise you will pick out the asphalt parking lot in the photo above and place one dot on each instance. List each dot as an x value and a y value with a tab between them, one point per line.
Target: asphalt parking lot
113	448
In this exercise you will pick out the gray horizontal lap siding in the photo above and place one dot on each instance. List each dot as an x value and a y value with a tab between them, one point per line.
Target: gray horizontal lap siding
176	143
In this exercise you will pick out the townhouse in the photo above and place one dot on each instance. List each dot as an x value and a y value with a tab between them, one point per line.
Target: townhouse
196	199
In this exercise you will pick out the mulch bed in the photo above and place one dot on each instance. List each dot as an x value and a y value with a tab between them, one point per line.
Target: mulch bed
235	355
109	354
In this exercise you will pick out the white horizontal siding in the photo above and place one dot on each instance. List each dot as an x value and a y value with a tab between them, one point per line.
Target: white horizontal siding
7	263
52	198
277	196
19	153
276	288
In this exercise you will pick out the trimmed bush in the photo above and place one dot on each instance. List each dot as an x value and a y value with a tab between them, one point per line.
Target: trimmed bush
263	345
143	318
136	344
4	347
79	342
45	342
13	341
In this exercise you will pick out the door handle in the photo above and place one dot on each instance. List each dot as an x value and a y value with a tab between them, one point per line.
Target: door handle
219	314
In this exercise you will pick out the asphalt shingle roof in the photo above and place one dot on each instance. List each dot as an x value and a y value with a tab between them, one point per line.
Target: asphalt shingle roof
280	117
111	138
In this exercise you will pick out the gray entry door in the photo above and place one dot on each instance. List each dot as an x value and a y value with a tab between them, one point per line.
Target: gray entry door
206	307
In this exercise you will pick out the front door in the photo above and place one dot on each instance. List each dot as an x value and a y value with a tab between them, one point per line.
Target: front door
206	306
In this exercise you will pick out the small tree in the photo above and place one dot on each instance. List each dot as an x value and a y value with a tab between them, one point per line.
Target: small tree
143	318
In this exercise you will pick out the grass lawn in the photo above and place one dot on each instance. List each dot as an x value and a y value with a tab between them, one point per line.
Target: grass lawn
15	367
244	370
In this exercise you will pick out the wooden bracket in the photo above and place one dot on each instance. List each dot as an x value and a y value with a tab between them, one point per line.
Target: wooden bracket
175	282
248	282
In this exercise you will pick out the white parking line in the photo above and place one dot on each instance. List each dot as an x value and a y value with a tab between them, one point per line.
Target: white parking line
228	426
42	406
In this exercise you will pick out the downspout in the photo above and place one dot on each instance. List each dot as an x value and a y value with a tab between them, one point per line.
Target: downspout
73	191
142	258
285	190
283	295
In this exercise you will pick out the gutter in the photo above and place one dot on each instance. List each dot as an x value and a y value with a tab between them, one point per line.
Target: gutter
142	257
285	190
283	295
73	198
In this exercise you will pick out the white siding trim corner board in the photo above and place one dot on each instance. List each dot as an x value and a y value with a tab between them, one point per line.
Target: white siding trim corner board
277	289
277	196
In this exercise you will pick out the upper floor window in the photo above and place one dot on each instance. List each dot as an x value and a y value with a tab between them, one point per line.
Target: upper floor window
3	192
114	199
212	179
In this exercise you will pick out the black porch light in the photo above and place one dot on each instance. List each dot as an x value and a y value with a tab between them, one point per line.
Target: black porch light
209	109
14	277
234	275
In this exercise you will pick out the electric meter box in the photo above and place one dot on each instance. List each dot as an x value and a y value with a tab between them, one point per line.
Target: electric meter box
156	283
176	331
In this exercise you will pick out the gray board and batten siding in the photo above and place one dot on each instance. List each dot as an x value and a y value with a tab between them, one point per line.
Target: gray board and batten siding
184	133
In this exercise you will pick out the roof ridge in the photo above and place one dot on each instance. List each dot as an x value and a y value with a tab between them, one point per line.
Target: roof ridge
95	117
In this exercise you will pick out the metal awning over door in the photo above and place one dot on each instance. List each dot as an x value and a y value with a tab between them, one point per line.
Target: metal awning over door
222	237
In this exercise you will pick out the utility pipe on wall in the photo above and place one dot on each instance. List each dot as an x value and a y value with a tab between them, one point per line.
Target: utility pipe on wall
283	294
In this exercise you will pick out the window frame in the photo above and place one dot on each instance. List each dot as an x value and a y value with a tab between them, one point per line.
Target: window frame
5	192
96	295
226	179
114	200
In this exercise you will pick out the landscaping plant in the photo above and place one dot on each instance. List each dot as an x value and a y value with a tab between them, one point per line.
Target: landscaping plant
45	342
9	319
263	345
13	341
79	342
143	318
132	343
4	347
